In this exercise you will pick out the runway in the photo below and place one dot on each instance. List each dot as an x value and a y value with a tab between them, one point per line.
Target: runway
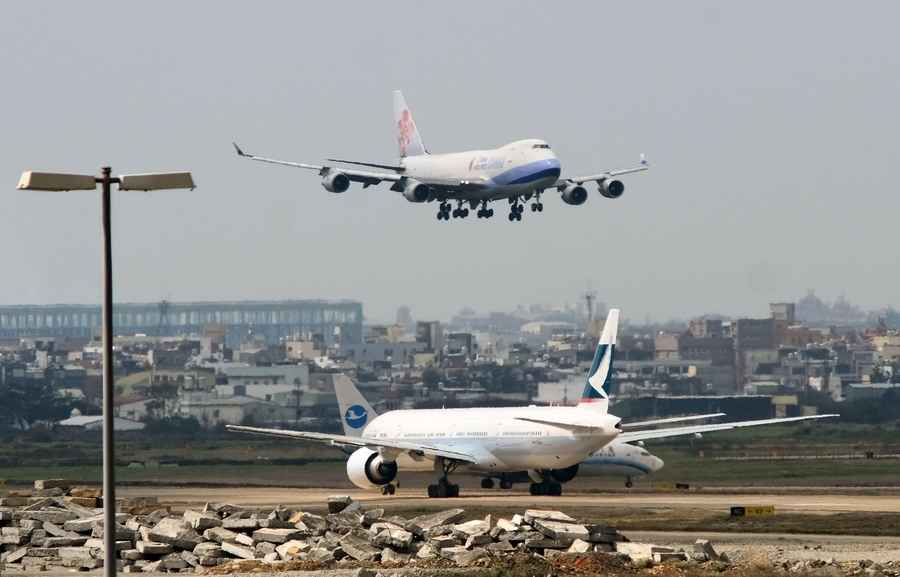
414	498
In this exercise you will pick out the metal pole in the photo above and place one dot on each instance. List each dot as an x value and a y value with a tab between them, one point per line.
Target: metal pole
109	464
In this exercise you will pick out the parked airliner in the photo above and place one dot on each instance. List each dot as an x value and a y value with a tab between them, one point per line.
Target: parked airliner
549	443
517	172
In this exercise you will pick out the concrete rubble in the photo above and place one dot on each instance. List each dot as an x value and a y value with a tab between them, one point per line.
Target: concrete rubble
46	532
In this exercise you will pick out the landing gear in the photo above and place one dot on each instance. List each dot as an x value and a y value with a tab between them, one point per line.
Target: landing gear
515	211
537	205
460	212
389	489
484	211
487	483
628	482
444	488
444	211
506	485
546	488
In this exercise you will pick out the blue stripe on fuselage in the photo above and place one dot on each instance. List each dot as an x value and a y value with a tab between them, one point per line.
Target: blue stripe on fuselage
531	172
617	461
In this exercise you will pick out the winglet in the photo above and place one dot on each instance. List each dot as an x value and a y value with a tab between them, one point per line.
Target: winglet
237	149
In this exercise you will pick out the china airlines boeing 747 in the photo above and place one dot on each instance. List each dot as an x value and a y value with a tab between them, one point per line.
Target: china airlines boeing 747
517	172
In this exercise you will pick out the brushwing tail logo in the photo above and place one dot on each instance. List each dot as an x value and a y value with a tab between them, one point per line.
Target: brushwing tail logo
356	416
598	379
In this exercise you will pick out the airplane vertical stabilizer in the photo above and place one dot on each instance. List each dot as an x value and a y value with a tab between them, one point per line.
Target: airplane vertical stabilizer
356	412
408	138
599	378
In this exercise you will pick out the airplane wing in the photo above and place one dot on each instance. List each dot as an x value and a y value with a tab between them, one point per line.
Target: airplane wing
643	165
345	441
666	421
366	177
632	436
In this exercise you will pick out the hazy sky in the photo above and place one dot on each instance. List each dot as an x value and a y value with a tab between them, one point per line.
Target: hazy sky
772	129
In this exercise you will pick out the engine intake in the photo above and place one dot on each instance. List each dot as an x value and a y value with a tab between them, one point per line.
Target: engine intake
367	469
415	191
336	182
574	194
612	188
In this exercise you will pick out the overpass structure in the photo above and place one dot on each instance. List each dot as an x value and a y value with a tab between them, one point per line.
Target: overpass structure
337	321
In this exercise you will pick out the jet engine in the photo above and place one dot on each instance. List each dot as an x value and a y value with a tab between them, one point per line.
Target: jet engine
564	475
336	182
367	469
612	188
415	191
574	194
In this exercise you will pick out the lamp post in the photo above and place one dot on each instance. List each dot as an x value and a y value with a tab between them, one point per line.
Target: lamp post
49	181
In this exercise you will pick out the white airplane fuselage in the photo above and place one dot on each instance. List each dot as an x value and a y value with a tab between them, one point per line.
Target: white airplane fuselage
512	170
498	437
622	460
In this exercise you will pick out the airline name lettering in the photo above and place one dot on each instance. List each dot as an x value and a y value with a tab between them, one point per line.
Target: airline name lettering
485	163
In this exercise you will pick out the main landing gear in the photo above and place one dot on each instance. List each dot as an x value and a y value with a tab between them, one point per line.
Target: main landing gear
444	488
484	211
537	205
460	212
516	210
546	488
388	489
444	211
628	482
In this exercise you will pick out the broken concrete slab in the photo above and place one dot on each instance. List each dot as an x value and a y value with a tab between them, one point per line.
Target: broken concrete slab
41	484
704	550
122	533
337	503
200	521
175	532
207	549
219	535
277	536
291	550
76	541
238	522
356	545
421	524
87	524
153	548
396	538
560	530
245	540
57	516
579	546
391	557
238	550
546	515
669	556
474	527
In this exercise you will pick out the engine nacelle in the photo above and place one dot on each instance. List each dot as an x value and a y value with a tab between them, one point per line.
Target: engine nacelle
368	470
574	194
336	182
564	475
612	188
415	191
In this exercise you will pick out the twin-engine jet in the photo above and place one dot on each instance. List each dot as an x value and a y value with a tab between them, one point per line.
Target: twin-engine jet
516	172
546	445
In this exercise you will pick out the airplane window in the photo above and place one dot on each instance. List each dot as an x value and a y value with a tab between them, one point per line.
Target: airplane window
541	146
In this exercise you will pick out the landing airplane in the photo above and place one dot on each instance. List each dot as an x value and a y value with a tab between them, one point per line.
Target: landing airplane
549	443
517	172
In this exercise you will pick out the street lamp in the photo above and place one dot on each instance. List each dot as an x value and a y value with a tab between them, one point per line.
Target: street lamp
51	181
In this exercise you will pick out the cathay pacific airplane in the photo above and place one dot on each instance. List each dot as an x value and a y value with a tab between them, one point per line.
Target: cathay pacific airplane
517	172
549	443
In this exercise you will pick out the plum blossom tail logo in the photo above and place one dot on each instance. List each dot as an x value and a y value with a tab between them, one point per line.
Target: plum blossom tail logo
405	129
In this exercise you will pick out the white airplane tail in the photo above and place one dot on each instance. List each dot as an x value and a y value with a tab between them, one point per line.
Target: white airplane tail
599	379
356	412
408	138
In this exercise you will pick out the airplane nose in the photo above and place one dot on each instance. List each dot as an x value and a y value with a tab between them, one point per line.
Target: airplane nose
657	464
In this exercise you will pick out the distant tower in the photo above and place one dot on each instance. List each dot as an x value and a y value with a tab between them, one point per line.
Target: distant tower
163	308
590	297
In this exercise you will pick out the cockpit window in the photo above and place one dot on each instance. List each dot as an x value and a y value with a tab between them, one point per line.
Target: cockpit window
547	146
645	454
